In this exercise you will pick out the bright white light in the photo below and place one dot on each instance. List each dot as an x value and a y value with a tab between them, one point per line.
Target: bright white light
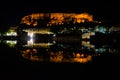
31	35
54	35
30	42
54	42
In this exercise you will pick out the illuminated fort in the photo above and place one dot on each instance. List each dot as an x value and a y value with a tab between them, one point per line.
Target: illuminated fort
56	18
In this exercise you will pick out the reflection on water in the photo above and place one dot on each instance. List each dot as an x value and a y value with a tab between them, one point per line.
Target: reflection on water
69	45
10	43
58	56
78	52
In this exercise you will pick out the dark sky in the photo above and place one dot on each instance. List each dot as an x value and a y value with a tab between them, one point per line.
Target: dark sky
12	11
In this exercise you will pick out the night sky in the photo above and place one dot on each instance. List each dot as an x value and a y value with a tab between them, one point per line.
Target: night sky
13	11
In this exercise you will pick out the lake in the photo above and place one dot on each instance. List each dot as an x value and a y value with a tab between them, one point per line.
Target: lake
50	57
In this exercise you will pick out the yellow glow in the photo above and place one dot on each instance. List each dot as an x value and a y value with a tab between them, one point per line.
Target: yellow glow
35	23
82	17
32	44
38	31
56	18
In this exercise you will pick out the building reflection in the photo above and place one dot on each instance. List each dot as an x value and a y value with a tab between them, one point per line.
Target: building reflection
58	52
82	58
56	57
83	51
76	52
10	43
55	52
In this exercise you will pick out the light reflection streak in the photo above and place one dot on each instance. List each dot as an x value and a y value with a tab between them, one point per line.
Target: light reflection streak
11	43
43	52
32	44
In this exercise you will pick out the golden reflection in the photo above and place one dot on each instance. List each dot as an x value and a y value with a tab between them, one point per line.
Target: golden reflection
56	18
31	54
32	44
56	56
66	57
82	58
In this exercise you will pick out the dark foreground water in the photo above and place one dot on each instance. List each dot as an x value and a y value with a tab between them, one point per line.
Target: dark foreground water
45	60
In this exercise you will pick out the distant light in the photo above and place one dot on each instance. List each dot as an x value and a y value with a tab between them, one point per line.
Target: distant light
54	41
88	37
11	43
54	35
88	42
11	34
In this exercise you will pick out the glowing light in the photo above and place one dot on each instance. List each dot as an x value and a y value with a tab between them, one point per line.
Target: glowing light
54	42
11	34
82	59
30	34
56	18
11	43
83	17
54	35
57	57
30	42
